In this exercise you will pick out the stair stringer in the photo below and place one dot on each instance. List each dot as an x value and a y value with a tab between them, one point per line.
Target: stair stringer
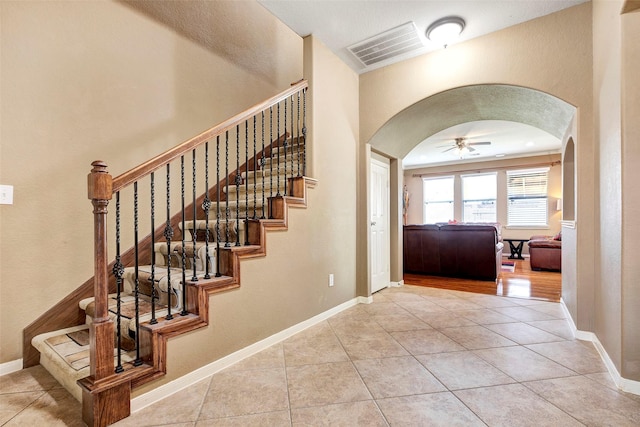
153	338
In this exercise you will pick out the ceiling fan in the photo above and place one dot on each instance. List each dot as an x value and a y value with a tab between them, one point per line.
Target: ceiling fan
463	146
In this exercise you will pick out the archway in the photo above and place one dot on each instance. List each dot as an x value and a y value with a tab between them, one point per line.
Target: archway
400	134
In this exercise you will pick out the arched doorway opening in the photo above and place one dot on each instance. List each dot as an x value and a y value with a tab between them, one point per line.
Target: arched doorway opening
400	134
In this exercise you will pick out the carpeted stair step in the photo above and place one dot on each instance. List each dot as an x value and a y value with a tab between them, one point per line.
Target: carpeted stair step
65	354
201	225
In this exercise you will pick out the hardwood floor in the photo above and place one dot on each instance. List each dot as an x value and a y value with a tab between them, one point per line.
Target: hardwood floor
522	283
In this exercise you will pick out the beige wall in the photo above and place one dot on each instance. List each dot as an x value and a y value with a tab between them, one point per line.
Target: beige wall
607	126
321	239
631	196
552	54
616	85
413	180
98	80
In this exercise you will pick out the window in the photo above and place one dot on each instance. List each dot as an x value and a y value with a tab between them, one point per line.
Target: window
479	197
438	199
527	197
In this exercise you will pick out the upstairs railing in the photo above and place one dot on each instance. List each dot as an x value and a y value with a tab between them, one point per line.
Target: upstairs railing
188	222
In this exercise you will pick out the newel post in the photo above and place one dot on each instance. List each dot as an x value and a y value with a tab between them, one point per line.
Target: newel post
104	400
100	191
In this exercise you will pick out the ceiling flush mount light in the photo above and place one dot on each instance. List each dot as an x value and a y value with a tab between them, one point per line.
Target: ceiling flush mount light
445	30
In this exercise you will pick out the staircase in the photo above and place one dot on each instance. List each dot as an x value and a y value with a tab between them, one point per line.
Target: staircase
161	286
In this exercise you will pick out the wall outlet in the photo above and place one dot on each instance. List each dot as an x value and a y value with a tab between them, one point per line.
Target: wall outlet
331	279
6	194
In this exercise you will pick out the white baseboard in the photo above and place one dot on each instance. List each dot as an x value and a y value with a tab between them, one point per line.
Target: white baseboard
365	300
9	367
193	377
396	284
623	384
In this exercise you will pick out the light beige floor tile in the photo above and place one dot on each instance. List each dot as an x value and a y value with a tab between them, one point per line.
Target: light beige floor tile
13	403
318	344
523	364
484	316
457	304
272	357
553	309
513	405
435	409
400	322
426	341
267	419
529	301
372	346
355	327
55	407
579	356
30	379
491	301
183	406
238	393
445	319
588	401
400	297
463	369
379	297
604	378
523	333
476	337
378	308
523	314
397	376
343	414
418	307
319	385
560	328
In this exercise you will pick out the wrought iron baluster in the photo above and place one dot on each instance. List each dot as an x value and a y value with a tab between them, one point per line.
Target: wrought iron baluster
304	132
195	277
255	167
152	279
168	234
206	206
277	150
138	360
270	155
184	231
226	198
246	183
298	134
238	182
262	165
292	144
284	144
218	189
118	272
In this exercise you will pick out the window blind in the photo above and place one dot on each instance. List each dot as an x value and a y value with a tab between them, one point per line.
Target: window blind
527	197
438	199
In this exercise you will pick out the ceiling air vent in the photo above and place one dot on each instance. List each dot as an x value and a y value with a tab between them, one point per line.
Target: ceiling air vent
395	42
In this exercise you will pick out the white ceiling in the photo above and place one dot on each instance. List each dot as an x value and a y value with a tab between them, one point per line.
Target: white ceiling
508	140
342	23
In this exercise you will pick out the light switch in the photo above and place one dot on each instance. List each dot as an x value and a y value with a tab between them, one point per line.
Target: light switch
6	194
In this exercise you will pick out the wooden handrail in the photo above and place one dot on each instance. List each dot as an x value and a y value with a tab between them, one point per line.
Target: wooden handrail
157	162
103	388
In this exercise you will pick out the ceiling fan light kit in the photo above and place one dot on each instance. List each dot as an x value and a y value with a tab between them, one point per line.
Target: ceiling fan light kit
445	30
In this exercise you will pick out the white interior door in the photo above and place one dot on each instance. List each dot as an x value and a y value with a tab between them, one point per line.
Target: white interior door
379	207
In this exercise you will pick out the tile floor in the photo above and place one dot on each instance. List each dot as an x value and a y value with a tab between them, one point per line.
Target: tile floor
416	356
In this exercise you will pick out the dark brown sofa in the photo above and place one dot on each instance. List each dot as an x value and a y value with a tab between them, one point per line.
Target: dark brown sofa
465	251
545	253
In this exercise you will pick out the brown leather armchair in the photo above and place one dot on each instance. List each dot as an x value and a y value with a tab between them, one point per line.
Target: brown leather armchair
545	252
